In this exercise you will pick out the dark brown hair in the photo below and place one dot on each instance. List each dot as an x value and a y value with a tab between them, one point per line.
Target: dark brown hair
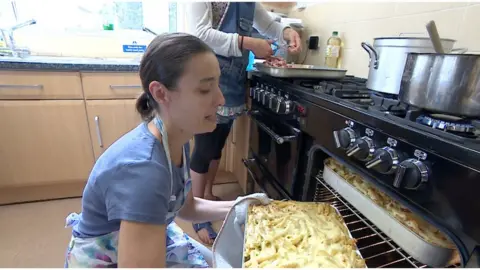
164	61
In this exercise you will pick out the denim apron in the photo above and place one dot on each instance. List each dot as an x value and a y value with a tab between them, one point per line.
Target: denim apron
101	251
238	19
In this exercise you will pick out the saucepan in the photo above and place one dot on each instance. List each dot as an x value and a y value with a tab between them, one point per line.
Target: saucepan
442	83
388	56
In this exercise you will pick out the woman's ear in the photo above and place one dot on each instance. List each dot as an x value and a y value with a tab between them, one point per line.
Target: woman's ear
158	92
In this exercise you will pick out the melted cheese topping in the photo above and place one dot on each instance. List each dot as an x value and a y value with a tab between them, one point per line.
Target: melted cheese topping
416	224
288	234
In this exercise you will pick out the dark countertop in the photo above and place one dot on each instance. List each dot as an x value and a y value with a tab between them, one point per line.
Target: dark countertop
47	63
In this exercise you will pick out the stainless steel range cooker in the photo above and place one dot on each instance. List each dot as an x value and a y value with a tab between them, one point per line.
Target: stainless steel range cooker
428	162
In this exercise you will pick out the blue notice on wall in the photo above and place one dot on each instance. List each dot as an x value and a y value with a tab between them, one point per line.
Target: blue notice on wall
134	48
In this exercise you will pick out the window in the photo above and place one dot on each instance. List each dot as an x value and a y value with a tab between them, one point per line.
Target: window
7	17
90	16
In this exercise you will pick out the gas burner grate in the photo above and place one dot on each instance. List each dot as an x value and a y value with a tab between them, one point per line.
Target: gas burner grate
378	250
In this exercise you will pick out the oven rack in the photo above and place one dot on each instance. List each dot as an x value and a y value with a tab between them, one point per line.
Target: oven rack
378	250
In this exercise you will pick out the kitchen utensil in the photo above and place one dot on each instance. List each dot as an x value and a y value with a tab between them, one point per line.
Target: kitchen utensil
302	71
418	248
388	56
442	83
434	37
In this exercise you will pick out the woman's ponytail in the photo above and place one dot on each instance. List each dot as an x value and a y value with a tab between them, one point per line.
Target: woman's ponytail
143	107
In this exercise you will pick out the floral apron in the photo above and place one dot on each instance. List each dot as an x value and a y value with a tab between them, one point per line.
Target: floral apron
101	251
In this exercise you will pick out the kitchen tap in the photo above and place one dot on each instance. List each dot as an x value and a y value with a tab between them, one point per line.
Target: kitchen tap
9	38
146	29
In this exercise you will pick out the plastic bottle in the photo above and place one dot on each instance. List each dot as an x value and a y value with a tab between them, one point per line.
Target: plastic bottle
3	44
332	52
108	17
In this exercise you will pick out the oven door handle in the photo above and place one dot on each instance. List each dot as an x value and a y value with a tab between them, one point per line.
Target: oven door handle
277	138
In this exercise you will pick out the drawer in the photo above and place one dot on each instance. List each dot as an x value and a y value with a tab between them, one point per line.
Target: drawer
40	85
111	85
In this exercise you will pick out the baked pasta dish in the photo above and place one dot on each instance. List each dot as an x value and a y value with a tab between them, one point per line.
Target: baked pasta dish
416	224
288	234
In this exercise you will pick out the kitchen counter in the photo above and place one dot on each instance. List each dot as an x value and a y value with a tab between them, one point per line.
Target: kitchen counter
69	64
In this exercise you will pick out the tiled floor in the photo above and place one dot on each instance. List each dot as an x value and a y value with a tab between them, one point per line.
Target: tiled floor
33	234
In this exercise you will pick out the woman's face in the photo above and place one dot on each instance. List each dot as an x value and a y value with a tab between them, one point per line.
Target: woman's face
193	105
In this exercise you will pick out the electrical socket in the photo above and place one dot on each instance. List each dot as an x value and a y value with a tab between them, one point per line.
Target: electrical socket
312	42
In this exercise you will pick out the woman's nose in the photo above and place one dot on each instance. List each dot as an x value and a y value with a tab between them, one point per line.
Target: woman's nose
220	101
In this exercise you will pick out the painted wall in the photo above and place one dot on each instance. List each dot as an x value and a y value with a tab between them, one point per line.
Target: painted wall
357	22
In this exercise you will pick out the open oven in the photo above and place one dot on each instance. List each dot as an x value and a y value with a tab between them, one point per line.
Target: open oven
377	248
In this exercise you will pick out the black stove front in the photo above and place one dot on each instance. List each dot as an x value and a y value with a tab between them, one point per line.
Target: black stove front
428	162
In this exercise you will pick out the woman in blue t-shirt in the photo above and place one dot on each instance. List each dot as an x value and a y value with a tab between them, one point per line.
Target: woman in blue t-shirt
141	182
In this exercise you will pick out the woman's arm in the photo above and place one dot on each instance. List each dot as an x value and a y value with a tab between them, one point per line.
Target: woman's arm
199	20
266	25
141	245
199	210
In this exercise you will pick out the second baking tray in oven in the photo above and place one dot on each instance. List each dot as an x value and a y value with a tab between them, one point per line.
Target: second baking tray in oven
423	251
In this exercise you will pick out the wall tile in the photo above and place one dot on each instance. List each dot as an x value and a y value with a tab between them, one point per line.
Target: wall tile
468	33
409	8
364	21
362	11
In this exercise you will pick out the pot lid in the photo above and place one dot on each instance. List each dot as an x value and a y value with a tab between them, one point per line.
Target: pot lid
412	38
412	42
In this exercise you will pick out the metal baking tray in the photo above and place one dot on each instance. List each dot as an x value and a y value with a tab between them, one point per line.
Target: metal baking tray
302	71
245	231
421	250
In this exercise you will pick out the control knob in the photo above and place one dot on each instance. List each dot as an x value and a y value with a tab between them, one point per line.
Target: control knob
385	160
285	106
411	174
259	93
263	95
344	138
363	149
270	98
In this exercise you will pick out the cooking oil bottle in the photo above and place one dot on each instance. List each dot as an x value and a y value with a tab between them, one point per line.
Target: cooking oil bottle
332	52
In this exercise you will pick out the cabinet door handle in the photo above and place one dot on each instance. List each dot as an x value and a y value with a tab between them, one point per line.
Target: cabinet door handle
124	86
20	86
99	134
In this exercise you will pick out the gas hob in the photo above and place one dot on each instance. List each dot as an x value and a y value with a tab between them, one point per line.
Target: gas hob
353	90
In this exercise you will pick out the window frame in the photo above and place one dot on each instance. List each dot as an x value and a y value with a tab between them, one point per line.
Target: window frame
175	20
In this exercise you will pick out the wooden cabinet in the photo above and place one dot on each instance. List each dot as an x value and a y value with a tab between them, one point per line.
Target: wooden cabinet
40	85
111	85
109	120
43	143
241	133
54	125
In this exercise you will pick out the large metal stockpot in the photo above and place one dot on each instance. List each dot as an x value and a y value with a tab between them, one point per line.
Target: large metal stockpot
442	83
388	56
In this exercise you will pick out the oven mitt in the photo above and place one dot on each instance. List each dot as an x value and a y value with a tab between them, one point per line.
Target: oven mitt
241	207
228	246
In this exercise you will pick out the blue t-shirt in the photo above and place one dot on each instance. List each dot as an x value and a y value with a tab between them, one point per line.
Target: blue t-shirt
130	181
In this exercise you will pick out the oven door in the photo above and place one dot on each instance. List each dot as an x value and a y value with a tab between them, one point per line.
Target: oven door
275	144
258	181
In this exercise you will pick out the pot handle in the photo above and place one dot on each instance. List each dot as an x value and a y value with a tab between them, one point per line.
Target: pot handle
372	52
459	51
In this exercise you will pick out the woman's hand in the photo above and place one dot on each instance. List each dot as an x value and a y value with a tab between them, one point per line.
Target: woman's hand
295	43
260	47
